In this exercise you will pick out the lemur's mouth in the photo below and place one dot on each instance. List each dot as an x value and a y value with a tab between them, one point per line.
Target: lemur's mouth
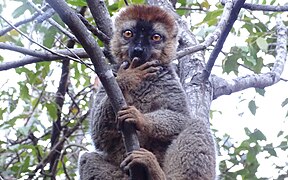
141	53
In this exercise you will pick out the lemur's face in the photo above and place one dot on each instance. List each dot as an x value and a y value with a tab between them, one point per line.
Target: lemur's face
146	36
142	40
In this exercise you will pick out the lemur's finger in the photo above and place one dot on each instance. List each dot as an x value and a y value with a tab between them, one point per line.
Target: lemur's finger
134	62
124	65
152	69
149	64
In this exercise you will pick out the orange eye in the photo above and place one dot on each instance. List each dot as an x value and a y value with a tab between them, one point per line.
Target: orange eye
156	37
127	34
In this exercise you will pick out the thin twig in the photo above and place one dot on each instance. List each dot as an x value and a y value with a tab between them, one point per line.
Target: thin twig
36	104
48	57
53	23
64	152
262	7
46	15
102	36
33	17
211	37
192	9
126	3
19	23
22	50
70	131
47	49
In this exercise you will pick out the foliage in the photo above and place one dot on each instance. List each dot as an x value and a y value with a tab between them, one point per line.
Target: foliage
29	107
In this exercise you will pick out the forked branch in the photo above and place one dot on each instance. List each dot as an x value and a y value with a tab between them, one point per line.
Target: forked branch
223	87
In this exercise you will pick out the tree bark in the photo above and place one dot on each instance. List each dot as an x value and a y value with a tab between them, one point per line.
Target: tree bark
104	73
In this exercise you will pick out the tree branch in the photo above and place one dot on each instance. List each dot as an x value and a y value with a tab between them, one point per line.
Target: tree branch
103	21
46	15
68	133
33	41
260	7
59	101
19	23
53	23
223	87
101	16
219	45
102	36
213	36
42	56
22	50
104	73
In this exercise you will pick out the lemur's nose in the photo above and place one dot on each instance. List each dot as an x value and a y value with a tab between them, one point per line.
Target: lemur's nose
138	51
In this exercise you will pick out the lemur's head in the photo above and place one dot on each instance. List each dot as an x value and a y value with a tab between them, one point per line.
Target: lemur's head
146	32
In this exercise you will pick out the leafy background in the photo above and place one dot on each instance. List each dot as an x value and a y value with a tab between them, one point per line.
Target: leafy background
27	95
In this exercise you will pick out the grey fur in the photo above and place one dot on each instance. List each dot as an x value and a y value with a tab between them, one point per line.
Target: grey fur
184	147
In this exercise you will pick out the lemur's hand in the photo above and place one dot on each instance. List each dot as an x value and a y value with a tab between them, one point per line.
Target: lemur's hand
130	114
129	78
144	158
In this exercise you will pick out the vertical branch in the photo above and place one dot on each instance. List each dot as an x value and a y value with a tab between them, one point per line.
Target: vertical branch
103	71
219	45
60	98
101	16
103	21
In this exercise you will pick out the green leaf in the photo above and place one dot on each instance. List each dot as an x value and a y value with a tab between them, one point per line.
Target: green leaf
13	105
181	12
211	18
270	149
283	145
52	110
260	27
205	4
24	91
230	64
2	111
285	102
247	131
280	133
11	122
182	2
260	91
259	65
252	107
24	130
20	10
248	27
26	164
251	59
262	44
49	37
257	135
77	2
138	1
272	2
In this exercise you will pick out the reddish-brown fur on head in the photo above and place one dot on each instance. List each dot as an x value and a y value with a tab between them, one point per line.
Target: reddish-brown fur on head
161	20
148	13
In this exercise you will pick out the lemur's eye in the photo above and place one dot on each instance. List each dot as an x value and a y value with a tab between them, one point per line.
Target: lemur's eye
156	37
127	34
